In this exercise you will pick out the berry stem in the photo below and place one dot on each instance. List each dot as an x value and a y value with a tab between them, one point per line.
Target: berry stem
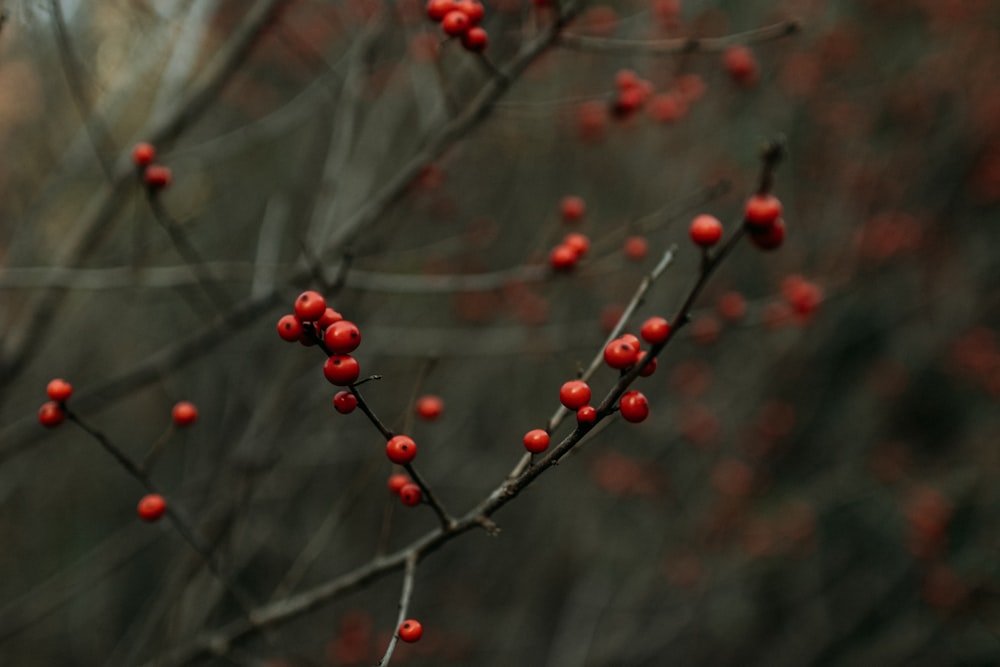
409	572
447	523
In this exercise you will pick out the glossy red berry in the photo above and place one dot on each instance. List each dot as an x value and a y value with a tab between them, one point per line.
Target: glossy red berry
51	414
572	208
563	257
634	406
143	154
578	242
342	337
706	230
151	507
345	402
59	390
762	210
310	306
341	369
397	482
157	176
329	317
473	9
289	328
586	415
438	9
455	23
410	494
655	330
768	237
184	413
574	394
475	39
410	630
536	441
631	340
401	449
636	248
429	407
620	354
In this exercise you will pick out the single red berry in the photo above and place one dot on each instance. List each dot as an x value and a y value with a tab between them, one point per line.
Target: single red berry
563	257
310	306
51	414
650	366
410	630
636	248
157	176
768	237
410	495
741	65
762	210
329	317
475	39
574	394
455	23
706	230
626	79
732	306
342	337
429	407
578	242
401	449
572	208
620	354
185	413
344	402
634	406
655	330
438	9
472	9
586	415
536	441
398	481
143	154
151	507
289	328
59	390
341	369
628	101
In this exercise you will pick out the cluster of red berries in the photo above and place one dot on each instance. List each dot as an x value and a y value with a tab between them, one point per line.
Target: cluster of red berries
53	412
762	217
460	18
313	322
406	489
155	176
631	93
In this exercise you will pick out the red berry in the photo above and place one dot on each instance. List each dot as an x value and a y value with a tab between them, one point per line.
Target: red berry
620	354
59	390
397	482
732	306
578	242
143	154
341	369
185	413
563	257
706	230
586	415
574	394
289	328
344	402
410	630
329	317
475	39
438	9
429	407
151	507
51	414
634	406
310	306
631	340
655	330
455	23
157	176
572	208
536	441
472	9
769	237
401	449
636	248
410	494
741	65
650	366
762	210
342	337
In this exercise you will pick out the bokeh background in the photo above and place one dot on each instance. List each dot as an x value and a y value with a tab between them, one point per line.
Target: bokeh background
816	484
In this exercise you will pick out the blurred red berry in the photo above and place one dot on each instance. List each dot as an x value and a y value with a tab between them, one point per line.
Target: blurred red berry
51	414
59	390
184	413
143	154
151	507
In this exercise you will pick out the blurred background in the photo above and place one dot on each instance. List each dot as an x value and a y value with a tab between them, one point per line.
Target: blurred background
815	485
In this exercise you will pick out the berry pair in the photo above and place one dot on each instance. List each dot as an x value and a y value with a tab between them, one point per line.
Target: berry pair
404	487
155	176
762	218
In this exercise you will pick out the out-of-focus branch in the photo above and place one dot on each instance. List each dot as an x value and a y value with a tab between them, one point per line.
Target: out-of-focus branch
666	47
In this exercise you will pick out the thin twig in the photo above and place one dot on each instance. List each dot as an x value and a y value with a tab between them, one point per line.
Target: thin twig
405	594
666	47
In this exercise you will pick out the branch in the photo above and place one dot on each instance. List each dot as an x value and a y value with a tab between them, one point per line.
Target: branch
666	47
404	605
